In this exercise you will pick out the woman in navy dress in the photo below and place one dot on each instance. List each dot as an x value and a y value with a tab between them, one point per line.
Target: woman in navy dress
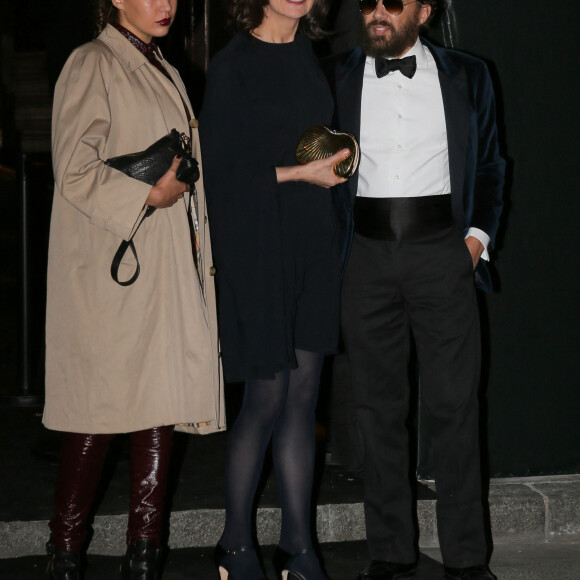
276	244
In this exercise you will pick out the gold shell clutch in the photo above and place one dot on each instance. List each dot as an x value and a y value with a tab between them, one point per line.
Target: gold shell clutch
322	142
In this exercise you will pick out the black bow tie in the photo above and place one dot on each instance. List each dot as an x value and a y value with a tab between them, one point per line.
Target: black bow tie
407	66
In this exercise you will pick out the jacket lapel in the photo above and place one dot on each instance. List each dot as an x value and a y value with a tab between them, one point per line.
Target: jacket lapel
454	90
349	94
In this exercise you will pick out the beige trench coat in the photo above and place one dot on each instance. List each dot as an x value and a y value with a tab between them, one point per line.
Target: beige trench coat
121	359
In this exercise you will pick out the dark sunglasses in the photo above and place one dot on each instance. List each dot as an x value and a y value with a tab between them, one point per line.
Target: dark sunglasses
394	7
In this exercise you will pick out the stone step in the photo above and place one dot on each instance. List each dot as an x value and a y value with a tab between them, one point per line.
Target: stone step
531	510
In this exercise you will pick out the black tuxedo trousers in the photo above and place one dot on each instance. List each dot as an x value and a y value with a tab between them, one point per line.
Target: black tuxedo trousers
421	289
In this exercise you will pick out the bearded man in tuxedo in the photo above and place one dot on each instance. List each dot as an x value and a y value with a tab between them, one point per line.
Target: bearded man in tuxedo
426	203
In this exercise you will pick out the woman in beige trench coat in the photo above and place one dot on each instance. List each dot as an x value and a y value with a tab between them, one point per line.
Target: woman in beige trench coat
137	359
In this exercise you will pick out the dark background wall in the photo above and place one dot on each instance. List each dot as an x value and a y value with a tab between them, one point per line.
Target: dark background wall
533	386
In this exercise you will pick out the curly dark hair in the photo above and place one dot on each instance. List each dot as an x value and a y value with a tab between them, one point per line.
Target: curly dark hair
105	12
247	15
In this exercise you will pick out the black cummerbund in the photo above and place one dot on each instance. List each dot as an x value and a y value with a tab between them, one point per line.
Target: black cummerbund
401	218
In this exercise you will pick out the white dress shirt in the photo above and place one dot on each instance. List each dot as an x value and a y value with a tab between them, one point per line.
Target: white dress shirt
403	138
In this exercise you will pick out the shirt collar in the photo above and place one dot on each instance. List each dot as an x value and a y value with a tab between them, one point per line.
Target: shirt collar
147	49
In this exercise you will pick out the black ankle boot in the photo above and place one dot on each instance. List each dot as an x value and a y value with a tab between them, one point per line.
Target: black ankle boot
62	565
141	561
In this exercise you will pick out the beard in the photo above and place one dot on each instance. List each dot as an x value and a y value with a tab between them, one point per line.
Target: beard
395	45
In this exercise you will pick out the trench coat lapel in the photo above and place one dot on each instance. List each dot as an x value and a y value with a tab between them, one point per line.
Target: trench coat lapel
133	60
175	89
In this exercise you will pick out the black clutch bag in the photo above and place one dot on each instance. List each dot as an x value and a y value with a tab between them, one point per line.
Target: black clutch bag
149	166
152	163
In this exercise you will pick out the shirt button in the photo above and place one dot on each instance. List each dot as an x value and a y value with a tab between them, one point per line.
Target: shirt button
399	86
399	146
400	115
396	177
212	271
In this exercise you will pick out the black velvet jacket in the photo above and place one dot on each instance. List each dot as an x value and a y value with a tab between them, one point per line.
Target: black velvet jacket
476	168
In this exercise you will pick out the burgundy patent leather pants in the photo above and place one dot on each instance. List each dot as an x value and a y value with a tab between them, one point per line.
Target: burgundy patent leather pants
81	463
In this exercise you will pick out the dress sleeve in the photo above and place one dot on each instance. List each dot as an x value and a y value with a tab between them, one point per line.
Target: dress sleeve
81	124
241	187
243	203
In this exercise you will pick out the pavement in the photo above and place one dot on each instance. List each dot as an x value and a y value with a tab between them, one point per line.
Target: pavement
342	561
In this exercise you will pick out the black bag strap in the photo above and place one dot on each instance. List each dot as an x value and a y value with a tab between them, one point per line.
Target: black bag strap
121	250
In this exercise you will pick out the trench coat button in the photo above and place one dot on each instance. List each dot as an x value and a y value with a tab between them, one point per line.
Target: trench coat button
212	271
194	123
205	219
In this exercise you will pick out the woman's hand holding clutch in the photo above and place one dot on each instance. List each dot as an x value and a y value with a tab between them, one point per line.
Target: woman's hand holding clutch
320	172
168	190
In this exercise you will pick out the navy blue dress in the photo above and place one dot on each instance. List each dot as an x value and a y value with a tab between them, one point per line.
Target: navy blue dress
276	246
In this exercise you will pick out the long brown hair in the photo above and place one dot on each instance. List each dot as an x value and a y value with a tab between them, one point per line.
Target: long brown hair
105	12
247	15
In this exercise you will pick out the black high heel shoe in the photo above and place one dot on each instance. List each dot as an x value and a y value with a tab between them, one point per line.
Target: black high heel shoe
303	565
237	564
